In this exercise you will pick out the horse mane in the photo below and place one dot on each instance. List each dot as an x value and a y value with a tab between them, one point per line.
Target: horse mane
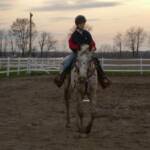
84	50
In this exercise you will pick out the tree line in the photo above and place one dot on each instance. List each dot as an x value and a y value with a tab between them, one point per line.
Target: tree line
17	39
132	40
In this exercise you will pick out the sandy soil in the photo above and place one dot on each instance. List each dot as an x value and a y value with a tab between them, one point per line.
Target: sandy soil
32	116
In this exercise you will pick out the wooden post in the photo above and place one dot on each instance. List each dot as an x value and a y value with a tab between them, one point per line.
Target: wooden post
8	67
141	66
102	64
18	69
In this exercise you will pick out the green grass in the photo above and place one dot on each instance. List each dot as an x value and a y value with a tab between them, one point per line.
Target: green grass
25	74
146	73
22	74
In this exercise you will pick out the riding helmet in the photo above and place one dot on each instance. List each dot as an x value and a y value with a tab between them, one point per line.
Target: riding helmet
80	19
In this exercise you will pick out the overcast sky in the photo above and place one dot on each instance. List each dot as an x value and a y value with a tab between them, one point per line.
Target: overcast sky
106	17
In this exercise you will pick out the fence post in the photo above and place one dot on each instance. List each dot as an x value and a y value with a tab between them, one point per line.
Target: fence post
28	66
102	63
18	69
0	63
8	67
141	66
30	61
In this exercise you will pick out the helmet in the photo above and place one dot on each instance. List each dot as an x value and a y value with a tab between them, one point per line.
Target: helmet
80	19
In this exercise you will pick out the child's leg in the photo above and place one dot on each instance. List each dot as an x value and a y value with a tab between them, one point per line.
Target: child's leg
102	77
66	69
69	61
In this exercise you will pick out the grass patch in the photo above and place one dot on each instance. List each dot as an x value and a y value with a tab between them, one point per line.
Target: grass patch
40	73
146	73
25	74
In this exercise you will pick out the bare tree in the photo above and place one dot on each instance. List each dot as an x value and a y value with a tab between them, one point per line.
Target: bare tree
5	44
140	35
130	39
20	30
118	41
1	41
12	42
64	44
42	41
50	43
106	47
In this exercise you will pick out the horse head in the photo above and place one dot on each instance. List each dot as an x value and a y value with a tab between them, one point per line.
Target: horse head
84	63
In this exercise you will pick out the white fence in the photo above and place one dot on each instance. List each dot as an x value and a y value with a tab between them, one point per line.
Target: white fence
8	65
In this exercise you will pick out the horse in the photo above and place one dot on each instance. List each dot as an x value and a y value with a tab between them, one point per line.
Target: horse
81	84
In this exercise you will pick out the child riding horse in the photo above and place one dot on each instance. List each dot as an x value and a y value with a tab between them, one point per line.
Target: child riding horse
78	38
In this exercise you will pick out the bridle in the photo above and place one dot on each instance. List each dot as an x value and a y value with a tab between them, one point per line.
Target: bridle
90	72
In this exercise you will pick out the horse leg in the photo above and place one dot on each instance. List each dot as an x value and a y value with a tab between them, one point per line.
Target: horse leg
79	118
90	124
81	128
82	120
92	111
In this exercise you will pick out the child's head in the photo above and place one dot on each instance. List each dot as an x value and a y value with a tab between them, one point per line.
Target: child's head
80	21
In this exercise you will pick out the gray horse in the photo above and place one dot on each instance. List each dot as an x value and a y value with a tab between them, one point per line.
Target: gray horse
81	85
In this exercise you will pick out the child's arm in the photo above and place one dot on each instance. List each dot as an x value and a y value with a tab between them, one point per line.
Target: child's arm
73	46
92	44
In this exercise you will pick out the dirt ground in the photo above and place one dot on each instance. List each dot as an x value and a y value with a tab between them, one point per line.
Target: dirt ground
32	116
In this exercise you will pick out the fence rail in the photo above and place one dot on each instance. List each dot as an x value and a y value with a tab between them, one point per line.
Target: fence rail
8	65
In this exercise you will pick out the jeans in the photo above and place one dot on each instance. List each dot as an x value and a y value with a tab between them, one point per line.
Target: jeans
68	61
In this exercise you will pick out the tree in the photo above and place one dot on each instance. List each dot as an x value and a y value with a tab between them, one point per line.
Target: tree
140	36
104	48
1	41
20	30
118	42
130	39
12	42
135	38
5	43
42	41
50	42
46	41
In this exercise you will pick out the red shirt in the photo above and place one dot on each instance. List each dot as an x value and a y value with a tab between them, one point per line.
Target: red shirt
80	37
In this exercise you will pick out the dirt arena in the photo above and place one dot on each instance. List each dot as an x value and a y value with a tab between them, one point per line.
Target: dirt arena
32	116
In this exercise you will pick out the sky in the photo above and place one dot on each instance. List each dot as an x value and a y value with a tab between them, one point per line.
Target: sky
106	17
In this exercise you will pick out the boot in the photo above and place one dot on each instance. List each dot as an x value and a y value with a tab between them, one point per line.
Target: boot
59	80
104	81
